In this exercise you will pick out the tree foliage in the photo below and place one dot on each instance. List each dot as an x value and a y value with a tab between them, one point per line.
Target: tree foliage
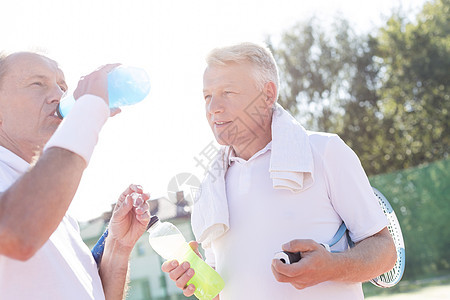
386	95
415	93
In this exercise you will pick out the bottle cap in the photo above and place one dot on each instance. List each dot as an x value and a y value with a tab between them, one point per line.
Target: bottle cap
152	221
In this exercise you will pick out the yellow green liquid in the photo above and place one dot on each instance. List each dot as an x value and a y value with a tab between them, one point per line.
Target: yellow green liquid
206	280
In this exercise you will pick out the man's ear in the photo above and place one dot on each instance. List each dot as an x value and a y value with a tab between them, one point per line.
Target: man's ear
270	90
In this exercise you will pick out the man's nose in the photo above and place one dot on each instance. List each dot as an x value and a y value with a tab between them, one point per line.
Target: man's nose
56	94
215	105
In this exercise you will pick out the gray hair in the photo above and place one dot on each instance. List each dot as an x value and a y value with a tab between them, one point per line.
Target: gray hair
259	56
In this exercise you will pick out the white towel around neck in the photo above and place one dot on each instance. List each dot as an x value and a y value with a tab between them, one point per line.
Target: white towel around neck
291	167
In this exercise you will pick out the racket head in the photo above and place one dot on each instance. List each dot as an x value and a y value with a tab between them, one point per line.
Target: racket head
393	276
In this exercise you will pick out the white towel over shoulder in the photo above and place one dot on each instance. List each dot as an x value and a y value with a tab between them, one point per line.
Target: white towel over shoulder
291	167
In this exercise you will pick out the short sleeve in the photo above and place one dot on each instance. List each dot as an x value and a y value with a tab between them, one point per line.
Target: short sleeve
350	191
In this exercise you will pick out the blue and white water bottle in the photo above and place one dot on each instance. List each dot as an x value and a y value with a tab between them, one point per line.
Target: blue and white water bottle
126	86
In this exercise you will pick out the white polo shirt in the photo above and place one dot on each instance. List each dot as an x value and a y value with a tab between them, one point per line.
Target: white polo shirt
263	218
62	269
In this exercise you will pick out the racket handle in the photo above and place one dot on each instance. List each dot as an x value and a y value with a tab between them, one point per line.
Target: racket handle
288	257
97	251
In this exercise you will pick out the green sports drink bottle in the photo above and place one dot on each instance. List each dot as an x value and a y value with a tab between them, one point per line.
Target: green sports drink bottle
168	242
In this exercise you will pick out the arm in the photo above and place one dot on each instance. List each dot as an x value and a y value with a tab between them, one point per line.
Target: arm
32	208
127	225
114	269
368	259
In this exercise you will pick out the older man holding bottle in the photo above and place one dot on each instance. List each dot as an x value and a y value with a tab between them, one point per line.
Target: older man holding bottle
275	186
42	160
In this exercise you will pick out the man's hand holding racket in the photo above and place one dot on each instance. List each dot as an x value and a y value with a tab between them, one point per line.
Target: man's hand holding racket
315	266
364	261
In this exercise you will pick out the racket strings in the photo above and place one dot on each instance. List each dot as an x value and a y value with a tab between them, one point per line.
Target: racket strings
394	275
391	275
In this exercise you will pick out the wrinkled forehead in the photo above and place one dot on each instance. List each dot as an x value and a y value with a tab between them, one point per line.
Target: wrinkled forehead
24	64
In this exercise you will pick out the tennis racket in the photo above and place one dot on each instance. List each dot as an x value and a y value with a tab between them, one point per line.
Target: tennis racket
392	277
388	279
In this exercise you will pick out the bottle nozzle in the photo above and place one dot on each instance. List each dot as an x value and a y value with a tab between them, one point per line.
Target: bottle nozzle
152	221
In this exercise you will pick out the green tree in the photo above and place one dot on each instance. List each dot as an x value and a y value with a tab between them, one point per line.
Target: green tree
329	82
386	95
415	93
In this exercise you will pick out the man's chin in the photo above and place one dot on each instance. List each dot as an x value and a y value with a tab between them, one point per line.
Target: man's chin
221	141
49	132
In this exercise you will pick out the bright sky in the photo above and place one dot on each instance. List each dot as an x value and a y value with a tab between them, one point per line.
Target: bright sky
158	138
